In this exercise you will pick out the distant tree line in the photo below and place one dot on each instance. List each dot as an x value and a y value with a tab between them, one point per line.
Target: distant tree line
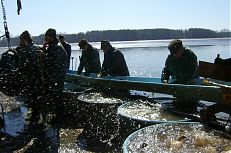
131	35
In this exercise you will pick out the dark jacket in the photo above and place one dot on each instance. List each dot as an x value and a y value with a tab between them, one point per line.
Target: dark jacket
114	63
89	61
67	47
182	70
29	66
54	69
8	61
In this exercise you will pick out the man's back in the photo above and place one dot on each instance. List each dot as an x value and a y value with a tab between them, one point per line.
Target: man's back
90	61
115	64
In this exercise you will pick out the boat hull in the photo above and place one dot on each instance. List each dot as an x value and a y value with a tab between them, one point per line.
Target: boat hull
199	91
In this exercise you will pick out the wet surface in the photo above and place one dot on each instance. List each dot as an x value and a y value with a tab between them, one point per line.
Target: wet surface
147	111
184	137
9	103
66	132
87	123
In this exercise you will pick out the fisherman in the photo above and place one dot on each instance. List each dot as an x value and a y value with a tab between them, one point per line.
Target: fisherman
89	59
67	47
29	68
181	64
54	71
29	65
114	63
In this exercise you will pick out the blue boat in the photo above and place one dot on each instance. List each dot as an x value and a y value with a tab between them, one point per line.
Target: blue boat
204	89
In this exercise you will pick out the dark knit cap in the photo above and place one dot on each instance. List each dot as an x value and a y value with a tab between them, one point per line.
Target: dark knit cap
82	43
175	45
51	32
25	35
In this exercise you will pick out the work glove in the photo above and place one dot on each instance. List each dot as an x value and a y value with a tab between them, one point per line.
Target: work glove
102	74
164	76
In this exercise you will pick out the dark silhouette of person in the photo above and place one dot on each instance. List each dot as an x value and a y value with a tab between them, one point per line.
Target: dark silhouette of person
54	70
67	47
89	59
114	63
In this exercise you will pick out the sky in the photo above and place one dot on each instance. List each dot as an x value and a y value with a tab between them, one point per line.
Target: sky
74	16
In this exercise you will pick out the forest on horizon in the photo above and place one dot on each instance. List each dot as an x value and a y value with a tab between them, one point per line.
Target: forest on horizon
130	35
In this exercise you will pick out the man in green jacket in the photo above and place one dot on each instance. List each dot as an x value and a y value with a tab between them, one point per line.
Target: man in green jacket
181	64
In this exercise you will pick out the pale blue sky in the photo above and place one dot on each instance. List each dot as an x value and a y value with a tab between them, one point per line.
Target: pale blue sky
74	16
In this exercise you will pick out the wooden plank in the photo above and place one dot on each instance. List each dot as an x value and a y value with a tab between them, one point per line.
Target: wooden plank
199	92
215	71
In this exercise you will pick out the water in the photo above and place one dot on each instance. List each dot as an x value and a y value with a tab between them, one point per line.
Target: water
97	97
147	111
144	58
177	138
147	58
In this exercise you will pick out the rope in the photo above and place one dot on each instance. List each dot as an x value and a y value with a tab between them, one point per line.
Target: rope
19	6
7	34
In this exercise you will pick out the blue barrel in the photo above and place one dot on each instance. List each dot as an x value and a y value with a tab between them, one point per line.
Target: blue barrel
139	112
177	137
